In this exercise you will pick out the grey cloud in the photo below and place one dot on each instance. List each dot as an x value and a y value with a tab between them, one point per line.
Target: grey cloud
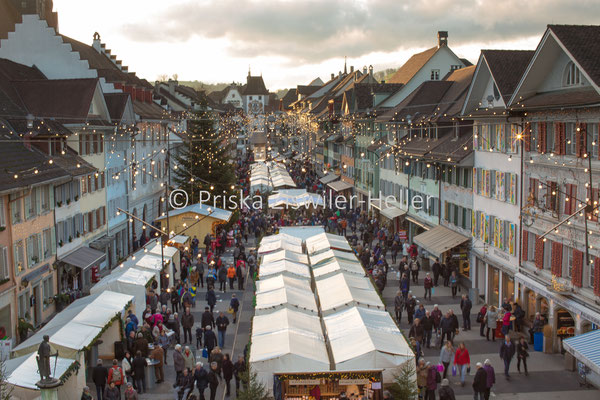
312	30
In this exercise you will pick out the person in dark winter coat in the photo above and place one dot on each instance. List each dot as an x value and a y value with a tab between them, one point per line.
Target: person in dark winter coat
213	380
178	360
112	392
207	318
411	303
227	373
433	377
399	306
211	298
99	377
522	354
491	378
465	307
138	367
446	392
187	323
239	368
479	383
210	339
507	351
436	268
201	378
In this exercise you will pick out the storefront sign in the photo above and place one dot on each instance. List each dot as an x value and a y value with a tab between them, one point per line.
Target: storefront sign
502	255
376	385
301	382
348	382
402	235
460	256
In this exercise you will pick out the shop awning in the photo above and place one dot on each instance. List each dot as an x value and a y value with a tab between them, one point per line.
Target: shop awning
585	348
329	178
84	257
439	240
392	212
338	186
416	221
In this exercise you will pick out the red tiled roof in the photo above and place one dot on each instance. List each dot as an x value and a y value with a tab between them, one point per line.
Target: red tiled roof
412	66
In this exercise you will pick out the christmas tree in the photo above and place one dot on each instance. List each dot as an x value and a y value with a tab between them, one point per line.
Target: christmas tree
203	162
253	390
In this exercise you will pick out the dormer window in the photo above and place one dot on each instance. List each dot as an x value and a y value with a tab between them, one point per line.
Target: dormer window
572	75
435	74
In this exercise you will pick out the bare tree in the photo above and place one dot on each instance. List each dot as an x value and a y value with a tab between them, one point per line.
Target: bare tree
162	78
6	388
175	76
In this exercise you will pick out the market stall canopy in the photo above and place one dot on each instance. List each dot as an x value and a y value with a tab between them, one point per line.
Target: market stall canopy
301	232
77	326
340	186
325	241
338	265
284	266
315	259
287	319
168	251
285	297
281	241
285	255
23	371
363	339
330	177
440	239
344	290
585	348
127	281
84	257
179	239
295	198
281	281
392	212
202	210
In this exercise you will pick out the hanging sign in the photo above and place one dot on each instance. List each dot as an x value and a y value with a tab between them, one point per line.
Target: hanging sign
301	382
348	382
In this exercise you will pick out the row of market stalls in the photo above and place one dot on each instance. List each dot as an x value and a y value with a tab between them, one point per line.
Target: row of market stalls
92	327
295	198
320	326
266	176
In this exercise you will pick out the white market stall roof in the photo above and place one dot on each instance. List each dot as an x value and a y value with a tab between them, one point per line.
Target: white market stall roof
287	319
326	241
285	297
315	259
280	281
284	266
179	239
586	348
302	232
278	242
338	265
330	177
128	281
343	289
363	339
295	198
23	371
168	251
285	255
202	210
339	186
77	326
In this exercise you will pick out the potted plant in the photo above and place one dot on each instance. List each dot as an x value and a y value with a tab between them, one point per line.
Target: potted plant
68	201
76	197
2	228
70	239
35	259
59	204
55	265
24	282
60	243
61	300
78	234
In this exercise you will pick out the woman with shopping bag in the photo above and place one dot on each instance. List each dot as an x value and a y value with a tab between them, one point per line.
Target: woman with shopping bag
462	361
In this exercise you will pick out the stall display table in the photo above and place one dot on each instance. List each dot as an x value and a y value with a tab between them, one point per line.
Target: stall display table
150	376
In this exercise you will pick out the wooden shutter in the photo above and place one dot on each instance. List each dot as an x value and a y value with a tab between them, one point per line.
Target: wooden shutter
542	137
557	138
524	245
539	252
568	199
596	267
527	136
577	271
556	261
581	138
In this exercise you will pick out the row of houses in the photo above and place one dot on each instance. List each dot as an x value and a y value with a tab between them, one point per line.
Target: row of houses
495	154
81	137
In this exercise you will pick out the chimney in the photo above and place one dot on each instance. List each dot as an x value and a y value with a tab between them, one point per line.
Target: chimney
351	68
365	70
97	45
371	70
332	75
172	85
442	38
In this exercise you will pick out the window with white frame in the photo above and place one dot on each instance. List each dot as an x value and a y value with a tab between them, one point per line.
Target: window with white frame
592	139
2	215
47	235
19	257
571	142
48	287
531	246
23	304
572	75
568	260
548	254
591	281
435	74
4	268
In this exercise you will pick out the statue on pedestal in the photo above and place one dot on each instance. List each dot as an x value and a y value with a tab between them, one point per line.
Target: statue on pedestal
43	360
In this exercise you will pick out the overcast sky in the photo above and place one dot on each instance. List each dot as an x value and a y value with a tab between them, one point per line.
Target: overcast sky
293	41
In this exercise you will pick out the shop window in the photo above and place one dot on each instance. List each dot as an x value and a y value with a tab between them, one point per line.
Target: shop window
548	254
568	260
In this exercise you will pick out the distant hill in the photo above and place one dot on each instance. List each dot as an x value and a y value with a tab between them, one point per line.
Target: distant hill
208	87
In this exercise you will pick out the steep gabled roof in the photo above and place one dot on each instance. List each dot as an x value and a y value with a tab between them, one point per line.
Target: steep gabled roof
583	43
414	64
9	17
453	100
306	90
420	103
507	68
116	104
63	99
290	97
10	102
255	85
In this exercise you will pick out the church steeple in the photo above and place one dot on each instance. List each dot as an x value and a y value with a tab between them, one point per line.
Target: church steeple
249	74
345	66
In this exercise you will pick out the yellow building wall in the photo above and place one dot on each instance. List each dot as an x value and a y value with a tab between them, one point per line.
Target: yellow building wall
208	224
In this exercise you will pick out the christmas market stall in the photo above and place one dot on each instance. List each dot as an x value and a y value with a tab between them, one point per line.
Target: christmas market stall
337	264
285	255
278	242
133	281
91	324
22	375
326	241
343	289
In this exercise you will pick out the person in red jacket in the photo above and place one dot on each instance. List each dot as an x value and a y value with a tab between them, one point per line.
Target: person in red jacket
462	361
116	375
427	284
